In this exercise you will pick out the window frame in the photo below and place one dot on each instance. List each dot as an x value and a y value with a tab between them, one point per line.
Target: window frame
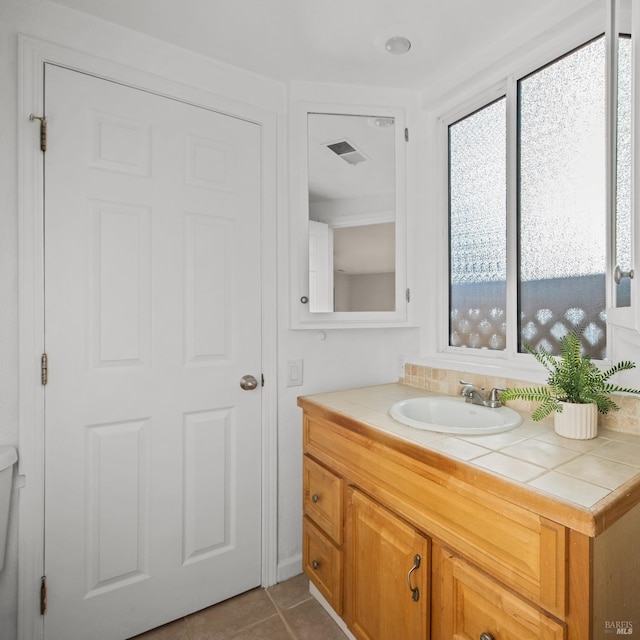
471	99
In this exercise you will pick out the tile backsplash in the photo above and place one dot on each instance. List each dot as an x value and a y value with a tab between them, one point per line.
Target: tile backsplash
447	382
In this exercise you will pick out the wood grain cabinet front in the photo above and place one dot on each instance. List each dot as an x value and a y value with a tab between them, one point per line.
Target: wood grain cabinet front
386	574
322	562
468	605
322	498
322	531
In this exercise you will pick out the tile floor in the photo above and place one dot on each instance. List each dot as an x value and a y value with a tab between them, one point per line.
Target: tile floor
286	611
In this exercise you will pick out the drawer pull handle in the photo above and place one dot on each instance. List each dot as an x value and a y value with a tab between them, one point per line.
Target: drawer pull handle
486	636
415	593
315	564
314	498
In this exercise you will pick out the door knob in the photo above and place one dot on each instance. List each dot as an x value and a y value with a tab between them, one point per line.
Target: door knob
248	383
619	274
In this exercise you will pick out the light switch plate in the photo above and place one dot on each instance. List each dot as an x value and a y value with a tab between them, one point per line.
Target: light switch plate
294	372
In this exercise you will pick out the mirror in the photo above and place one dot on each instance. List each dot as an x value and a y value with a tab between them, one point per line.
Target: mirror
352	213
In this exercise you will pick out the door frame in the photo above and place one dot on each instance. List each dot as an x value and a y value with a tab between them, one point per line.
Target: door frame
32	56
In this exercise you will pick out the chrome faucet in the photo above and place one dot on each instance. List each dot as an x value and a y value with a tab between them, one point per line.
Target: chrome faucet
474	396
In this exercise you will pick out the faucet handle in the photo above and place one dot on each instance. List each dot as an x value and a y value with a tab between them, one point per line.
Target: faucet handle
467	390
493	395
470	384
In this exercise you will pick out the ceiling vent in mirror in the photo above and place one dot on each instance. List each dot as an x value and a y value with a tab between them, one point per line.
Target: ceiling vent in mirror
347	152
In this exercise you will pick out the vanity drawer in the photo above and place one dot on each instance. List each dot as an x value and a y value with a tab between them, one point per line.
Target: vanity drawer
323	498
467	604
322	562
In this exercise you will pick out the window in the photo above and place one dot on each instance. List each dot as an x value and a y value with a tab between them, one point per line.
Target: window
560	208
477	229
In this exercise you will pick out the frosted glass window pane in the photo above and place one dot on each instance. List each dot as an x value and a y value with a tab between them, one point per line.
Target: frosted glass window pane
562	201
477	229
623	170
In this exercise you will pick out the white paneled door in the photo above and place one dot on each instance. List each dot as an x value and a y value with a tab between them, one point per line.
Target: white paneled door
153	302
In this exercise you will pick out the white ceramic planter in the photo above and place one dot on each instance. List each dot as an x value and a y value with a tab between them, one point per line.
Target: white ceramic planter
577	421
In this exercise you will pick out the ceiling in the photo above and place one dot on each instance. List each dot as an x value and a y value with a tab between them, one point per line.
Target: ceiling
342	41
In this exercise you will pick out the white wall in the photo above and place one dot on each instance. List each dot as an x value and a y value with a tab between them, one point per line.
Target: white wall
365	292
333	359
345	358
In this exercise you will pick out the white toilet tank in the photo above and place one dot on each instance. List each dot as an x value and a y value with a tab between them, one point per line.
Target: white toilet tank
8	457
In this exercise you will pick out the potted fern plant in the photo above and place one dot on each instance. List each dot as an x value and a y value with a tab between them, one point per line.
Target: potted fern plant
577	389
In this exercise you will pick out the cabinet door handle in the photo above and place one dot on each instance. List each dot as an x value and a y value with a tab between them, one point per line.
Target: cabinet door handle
314	498
415	593
486	636
315	564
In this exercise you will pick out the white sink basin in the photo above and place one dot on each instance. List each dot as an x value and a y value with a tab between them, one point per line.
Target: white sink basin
454	415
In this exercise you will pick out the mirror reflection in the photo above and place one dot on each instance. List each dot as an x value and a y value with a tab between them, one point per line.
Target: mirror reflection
352	218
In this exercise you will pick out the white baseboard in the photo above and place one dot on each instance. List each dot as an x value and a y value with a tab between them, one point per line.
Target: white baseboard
289	568
327	607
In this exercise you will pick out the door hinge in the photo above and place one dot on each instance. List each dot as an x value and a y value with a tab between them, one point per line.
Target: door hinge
408	294
406	135
44	369
43	130
43	595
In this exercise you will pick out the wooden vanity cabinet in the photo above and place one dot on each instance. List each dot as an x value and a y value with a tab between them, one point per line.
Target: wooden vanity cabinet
497	561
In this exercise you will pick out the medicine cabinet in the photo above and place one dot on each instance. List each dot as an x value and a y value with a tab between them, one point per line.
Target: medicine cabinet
349	246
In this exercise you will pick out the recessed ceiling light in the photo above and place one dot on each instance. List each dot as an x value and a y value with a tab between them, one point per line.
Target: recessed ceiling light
397	45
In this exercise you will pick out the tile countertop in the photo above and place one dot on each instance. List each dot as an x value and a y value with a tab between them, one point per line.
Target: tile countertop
591	475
